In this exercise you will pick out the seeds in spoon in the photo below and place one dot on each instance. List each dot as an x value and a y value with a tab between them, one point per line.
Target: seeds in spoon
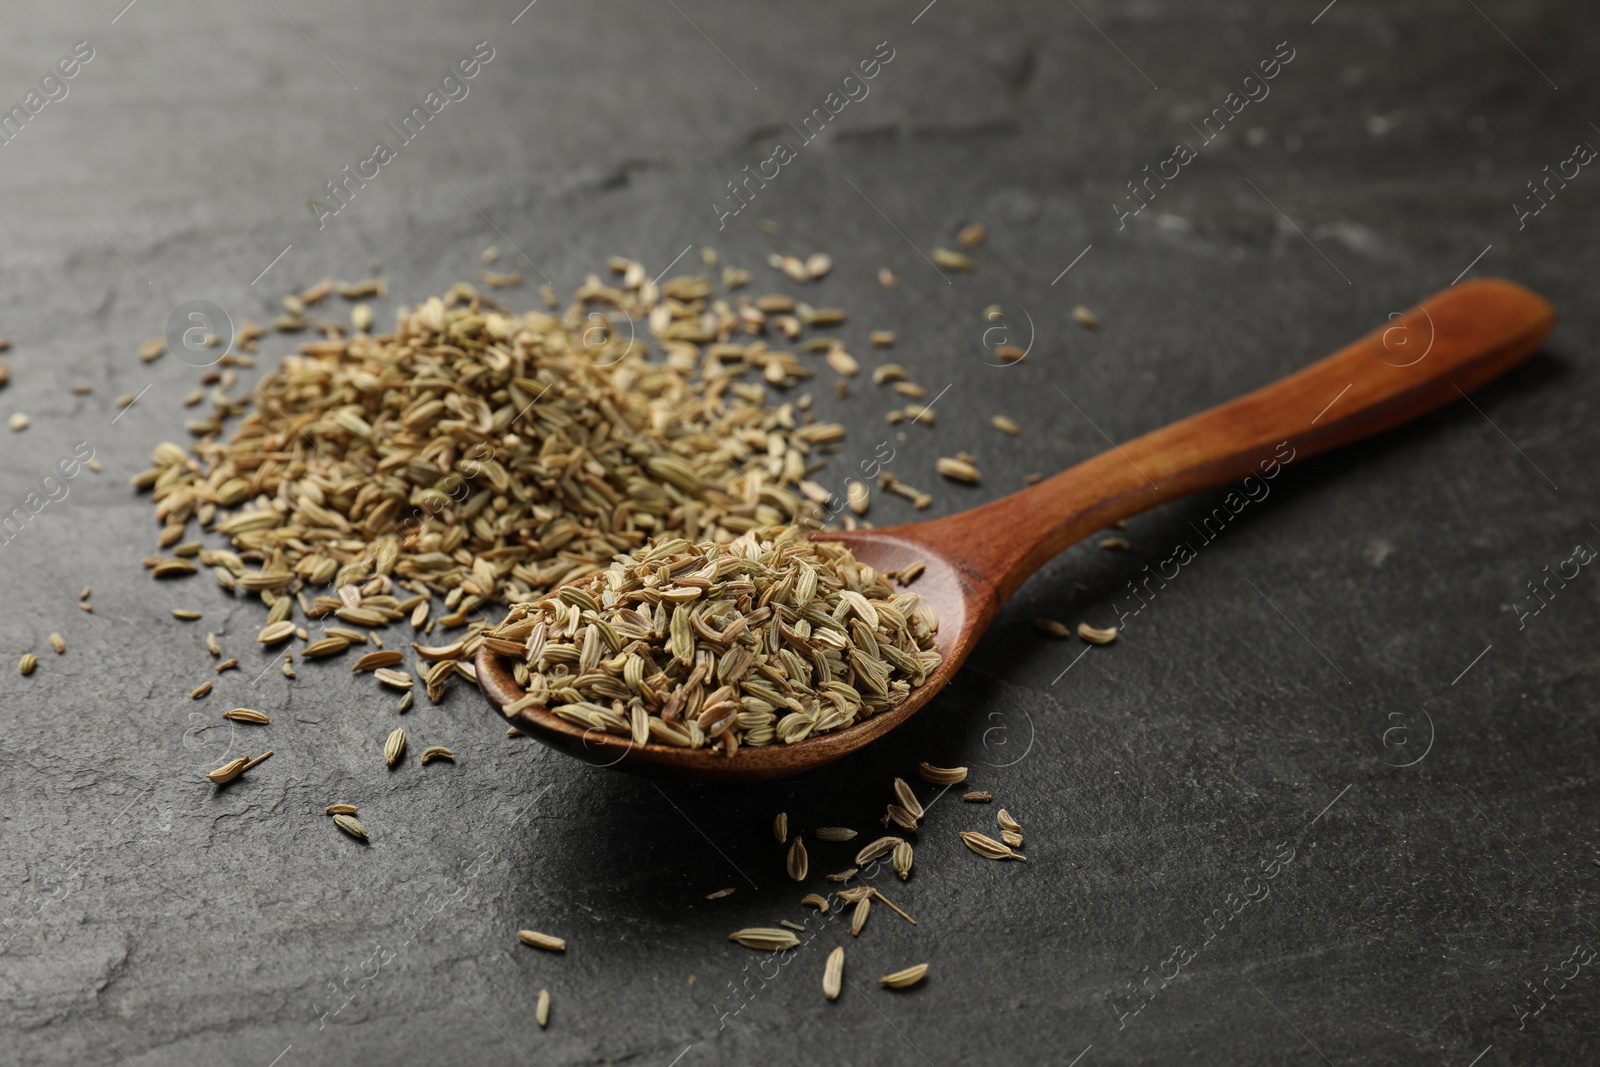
545	941
772	639
904	979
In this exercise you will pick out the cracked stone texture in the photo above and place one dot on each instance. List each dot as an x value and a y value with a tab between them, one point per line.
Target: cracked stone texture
152	919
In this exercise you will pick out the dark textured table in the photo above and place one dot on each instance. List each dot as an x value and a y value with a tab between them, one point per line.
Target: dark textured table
1330	797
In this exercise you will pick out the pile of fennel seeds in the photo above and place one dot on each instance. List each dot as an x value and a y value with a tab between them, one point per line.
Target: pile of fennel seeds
483	456
770	639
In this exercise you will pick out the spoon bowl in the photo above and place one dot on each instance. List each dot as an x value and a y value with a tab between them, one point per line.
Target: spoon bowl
974	560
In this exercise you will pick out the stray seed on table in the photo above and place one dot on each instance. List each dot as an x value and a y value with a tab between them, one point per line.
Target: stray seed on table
1097	636
942	775
887	279
186	614
890	905
1052	627
227	665
833	974
1006	822
816	900
393	679
276	632
1086	318
881	338
977	796
433	752
58	643
798	862
904	979
780	827
1010	353
1114	544
835	833
233	768
901	818
405	706
988	847
858	918
350	825
902	860
908	798
789	924
548	942
542	1012
972	236
373	660
842	876
153	349
340	809
1012	838
950	260
765	938
29	662
858	497
246	715
201	690
957	470
881	847
394	747
719	894
1005	425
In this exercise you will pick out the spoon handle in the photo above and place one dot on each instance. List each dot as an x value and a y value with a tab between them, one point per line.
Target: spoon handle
1437	352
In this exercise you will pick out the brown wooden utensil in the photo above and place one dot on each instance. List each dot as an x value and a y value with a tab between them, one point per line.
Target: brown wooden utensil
1439	351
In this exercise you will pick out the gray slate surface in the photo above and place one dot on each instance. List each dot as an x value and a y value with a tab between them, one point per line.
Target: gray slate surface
1371	704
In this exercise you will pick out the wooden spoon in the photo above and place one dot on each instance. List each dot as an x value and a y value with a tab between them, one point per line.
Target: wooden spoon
1438	352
